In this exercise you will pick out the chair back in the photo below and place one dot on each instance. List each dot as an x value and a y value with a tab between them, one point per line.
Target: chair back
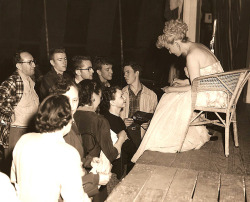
231	83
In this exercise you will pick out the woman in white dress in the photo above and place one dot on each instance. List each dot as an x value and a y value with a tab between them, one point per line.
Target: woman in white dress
171	118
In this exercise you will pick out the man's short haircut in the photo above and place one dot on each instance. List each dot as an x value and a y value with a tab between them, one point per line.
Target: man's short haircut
77	61
100	61
108	94
17	57
53	114
53	51
62	86
135	66
88	87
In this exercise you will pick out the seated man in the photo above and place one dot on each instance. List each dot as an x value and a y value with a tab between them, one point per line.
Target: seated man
44	166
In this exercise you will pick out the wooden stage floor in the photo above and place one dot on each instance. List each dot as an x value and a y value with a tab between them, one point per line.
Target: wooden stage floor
197	175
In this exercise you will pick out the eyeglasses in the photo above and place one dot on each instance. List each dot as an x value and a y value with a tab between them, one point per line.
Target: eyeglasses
89	68
29	62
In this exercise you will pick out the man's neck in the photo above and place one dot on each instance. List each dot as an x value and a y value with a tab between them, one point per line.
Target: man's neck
78	79
58	72
115	110
104	81
136	87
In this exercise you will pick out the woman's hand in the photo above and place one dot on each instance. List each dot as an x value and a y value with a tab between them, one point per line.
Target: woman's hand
166	89
180	82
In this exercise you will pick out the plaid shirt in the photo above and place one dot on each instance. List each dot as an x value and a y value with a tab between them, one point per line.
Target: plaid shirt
11	91
134	101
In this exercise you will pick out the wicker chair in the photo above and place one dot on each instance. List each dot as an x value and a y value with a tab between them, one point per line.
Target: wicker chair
231	84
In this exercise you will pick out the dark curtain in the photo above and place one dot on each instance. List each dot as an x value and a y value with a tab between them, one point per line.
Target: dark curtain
232	32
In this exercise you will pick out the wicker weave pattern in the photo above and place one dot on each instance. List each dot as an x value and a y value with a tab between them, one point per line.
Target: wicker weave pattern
219	83
231	83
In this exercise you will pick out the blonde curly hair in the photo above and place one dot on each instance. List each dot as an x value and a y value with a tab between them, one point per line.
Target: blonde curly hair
173	30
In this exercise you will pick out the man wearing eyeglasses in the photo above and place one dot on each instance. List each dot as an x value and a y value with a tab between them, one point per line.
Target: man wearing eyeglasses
82	68
18	101
58	60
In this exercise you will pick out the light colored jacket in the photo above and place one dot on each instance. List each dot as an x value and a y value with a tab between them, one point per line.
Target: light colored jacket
148	103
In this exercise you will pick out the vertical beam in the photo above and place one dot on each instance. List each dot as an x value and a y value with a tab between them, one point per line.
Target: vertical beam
190	17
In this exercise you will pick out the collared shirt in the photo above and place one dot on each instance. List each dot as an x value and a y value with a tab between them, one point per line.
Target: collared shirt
28	105
45	166
148	102
134	101
11	91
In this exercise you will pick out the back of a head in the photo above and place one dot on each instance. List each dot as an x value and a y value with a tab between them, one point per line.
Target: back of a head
87	88
62	86
53	114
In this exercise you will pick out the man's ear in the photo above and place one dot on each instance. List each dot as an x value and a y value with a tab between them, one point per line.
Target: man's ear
52	62
137	73
18	66
112	102
77	71
99	72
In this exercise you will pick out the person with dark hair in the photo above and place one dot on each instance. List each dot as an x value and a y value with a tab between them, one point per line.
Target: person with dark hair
90	180
112	104
58	60
95	124
104	72
94	128
18	102
138	96
82	68
44	167
171	119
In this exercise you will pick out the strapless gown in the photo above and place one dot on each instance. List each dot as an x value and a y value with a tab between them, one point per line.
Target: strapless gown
171	121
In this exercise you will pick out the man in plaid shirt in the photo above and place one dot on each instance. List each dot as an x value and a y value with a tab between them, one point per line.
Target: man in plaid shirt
18	101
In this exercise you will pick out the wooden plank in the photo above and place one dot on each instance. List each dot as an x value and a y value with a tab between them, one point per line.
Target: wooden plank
232	188
182	186
130	186
182	160
207	187
158	184
200	160
156	158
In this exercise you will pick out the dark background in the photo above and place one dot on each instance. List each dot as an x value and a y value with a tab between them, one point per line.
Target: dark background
92	27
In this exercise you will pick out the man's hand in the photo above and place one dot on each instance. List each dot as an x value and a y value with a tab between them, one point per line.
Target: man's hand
128	121
104	178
